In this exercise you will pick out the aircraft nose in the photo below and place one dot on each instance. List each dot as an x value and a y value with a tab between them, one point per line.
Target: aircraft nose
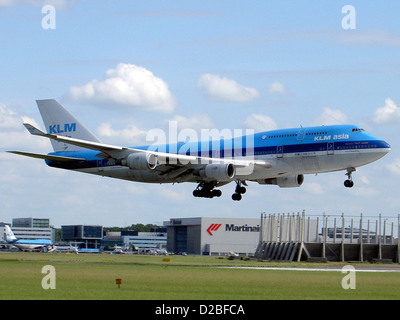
385	146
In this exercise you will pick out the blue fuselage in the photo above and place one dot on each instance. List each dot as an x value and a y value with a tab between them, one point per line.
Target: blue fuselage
290	151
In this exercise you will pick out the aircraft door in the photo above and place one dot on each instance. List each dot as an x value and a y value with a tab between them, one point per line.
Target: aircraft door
330	148
301	134
279	151
99	165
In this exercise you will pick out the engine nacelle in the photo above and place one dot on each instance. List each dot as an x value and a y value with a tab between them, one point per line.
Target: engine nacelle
219	172
140	161
293	181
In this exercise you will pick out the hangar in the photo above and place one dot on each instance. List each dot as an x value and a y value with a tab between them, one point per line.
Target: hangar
213	236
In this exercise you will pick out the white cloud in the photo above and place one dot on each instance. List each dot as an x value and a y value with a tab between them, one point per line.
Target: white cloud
172	195
365	179
365	191
277	88
198	122
127	85
136	189
224	89
388	114
260	122
373	38
313	188
8	118
394	167
74	199
331	117
128	136
59	4
13	134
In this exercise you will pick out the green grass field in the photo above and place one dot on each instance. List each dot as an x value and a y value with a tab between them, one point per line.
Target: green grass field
184	278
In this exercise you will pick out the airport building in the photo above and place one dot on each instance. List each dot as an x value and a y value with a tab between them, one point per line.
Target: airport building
87	236
139	240
31	222
213	236
33	228
3	231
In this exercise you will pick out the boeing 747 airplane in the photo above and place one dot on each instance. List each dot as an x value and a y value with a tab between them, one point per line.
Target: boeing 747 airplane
278	157
27	244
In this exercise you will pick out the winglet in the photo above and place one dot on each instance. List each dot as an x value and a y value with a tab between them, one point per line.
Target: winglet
33	130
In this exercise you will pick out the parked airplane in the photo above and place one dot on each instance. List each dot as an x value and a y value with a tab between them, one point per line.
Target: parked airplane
278	157
65	249
27	244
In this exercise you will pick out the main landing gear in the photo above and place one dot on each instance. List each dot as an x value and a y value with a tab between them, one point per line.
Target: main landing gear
206	190
237	196
349	182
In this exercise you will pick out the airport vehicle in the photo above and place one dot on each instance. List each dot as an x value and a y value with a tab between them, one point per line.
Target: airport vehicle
27	244
118	250
278	157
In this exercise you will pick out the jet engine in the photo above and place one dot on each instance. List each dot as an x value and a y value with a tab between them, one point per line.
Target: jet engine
219	172
140	161
285	182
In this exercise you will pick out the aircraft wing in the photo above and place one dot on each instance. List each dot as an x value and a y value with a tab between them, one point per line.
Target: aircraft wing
118	152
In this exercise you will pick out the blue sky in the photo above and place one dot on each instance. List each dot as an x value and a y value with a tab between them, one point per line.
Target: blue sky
126	67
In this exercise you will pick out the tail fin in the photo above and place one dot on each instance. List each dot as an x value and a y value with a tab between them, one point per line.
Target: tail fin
10	237
58	120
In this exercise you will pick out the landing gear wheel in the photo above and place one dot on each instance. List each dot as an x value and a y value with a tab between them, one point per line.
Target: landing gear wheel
206	190
216	193
240	189
349	183
237	197
197	193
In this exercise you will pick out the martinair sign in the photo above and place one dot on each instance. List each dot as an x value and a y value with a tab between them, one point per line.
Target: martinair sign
232	228
213	227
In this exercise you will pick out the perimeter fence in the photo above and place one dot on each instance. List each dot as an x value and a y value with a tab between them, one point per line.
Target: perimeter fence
297	236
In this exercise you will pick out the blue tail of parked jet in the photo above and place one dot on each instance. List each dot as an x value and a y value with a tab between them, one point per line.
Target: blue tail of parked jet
10	237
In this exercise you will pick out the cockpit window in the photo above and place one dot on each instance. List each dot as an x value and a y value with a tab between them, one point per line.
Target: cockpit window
357	129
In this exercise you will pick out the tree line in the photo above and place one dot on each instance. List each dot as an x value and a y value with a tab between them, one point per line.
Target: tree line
140	227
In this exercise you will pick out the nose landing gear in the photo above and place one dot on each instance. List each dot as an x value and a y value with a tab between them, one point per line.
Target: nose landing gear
349	182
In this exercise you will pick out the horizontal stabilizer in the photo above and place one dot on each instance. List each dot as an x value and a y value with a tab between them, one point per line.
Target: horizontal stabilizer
33	130
46	156
77	142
